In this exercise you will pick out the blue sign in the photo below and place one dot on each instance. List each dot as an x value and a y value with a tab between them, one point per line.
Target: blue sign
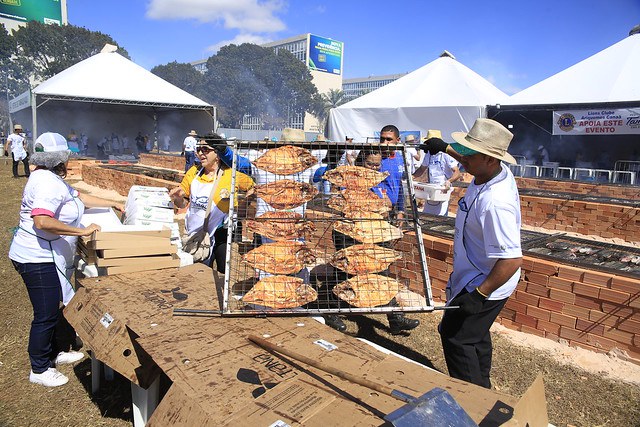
325	55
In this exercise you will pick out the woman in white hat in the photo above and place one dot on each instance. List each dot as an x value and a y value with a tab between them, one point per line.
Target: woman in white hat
17	146
42	252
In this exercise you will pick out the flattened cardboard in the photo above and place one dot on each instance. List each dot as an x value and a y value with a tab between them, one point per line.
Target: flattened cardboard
129	234
168	248
119	269
109	312
531	409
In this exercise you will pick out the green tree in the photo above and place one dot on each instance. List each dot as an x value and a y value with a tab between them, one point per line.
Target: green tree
183	76
45	50
325	102
250	79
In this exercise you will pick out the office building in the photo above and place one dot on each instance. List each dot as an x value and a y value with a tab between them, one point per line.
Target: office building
353	88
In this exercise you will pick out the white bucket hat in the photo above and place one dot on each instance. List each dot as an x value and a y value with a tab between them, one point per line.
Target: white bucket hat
51	149
487	137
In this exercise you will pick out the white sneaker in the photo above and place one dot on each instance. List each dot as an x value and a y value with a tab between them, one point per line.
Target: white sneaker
49	378
68	357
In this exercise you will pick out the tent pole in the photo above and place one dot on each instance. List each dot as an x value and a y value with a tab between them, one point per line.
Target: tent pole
34	117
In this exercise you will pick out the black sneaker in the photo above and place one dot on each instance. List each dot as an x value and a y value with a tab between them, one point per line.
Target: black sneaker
335	322
398	323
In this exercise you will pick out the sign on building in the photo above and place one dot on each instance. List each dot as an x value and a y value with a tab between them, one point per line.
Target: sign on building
45	11
325	54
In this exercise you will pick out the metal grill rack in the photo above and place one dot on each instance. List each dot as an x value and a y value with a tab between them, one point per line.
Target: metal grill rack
268	274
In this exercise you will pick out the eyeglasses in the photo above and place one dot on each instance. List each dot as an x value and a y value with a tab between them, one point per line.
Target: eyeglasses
204	150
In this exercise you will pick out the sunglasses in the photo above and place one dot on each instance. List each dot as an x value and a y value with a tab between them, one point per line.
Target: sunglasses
204	150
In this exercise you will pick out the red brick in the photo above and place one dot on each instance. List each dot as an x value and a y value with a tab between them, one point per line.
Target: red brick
576	311
516	306
507	313
548	327
532	331
625	284
562	296
601	342
527	264
550	303
509	324
603	318
587	302
570	273
596	278
526	320
526	298
571	334
442	246
436	264
629	325
617	309
588	326
614	296
547	268
562	319
560	283
538	313
541	279
580	288
635	301
618	335
537	289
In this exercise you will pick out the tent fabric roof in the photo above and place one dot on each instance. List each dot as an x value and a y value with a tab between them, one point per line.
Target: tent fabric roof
443	82
108	76
611	75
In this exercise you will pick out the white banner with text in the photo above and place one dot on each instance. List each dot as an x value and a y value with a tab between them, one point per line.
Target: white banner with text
620	121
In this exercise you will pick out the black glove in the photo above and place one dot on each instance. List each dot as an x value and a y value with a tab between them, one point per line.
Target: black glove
434	146
469	302
182	153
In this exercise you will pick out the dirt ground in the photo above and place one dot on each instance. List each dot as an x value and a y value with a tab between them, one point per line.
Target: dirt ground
582	388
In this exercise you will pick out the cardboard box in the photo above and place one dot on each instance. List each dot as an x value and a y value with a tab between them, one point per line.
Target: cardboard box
109	312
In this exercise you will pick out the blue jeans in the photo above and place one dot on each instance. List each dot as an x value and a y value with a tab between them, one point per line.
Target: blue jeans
45	293
190	159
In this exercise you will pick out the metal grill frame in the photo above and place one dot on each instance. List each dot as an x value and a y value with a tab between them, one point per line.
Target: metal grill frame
410	221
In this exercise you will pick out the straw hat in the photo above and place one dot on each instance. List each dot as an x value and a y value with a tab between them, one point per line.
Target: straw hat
410	138
433	133
193	133
487	137
17	127
292	135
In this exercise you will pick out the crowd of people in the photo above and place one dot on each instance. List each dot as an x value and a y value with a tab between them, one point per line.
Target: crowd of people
487	252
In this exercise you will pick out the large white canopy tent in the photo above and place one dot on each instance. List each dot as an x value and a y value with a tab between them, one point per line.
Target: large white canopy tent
443	94
108	93
607	80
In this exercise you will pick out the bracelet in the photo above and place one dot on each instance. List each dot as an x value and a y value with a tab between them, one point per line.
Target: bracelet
478	289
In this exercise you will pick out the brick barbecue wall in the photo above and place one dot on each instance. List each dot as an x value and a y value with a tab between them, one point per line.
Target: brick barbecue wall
599	219
119	181
589	309
627	192
162	161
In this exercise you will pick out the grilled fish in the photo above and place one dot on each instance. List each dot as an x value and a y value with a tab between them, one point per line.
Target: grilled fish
280	292
286	193
280	257
366	258
355	177
281	225
362	200
286	160
368	231
368	290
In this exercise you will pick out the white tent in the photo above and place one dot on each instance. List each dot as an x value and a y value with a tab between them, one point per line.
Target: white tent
443	94
109	93
611	75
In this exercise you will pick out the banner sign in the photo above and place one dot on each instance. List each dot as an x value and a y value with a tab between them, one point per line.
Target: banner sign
45	11
325	55
20	102
620	121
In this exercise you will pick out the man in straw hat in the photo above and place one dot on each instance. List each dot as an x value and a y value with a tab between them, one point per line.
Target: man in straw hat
189	150
487	253
440	169
17	146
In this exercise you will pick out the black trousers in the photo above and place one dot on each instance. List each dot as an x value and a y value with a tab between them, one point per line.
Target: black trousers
466	342
220	249
25	163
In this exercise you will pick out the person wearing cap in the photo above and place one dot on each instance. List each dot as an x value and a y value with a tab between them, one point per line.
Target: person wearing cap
42	251
349	156
415	155
487	254
17	145
189	150
438	168
211	179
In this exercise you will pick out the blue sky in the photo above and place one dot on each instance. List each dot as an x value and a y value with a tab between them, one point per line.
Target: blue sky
512	43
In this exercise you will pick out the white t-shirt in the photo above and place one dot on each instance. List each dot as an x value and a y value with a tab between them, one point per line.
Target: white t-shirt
440	166
16	146
487	229
190	143
47	194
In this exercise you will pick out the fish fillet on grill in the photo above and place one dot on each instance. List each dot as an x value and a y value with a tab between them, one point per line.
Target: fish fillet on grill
280	257
281	225
355	177
368	231
286	160
280	292
362	200
368	290
365	258
286	193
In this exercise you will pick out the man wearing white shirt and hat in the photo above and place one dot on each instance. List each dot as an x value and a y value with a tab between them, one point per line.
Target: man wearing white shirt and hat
189	150
17	146
487	252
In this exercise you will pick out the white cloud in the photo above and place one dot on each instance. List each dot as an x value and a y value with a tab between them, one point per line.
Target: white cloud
248	16
239	39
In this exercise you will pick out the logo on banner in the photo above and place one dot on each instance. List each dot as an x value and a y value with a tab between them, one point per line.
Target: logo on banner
566	122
